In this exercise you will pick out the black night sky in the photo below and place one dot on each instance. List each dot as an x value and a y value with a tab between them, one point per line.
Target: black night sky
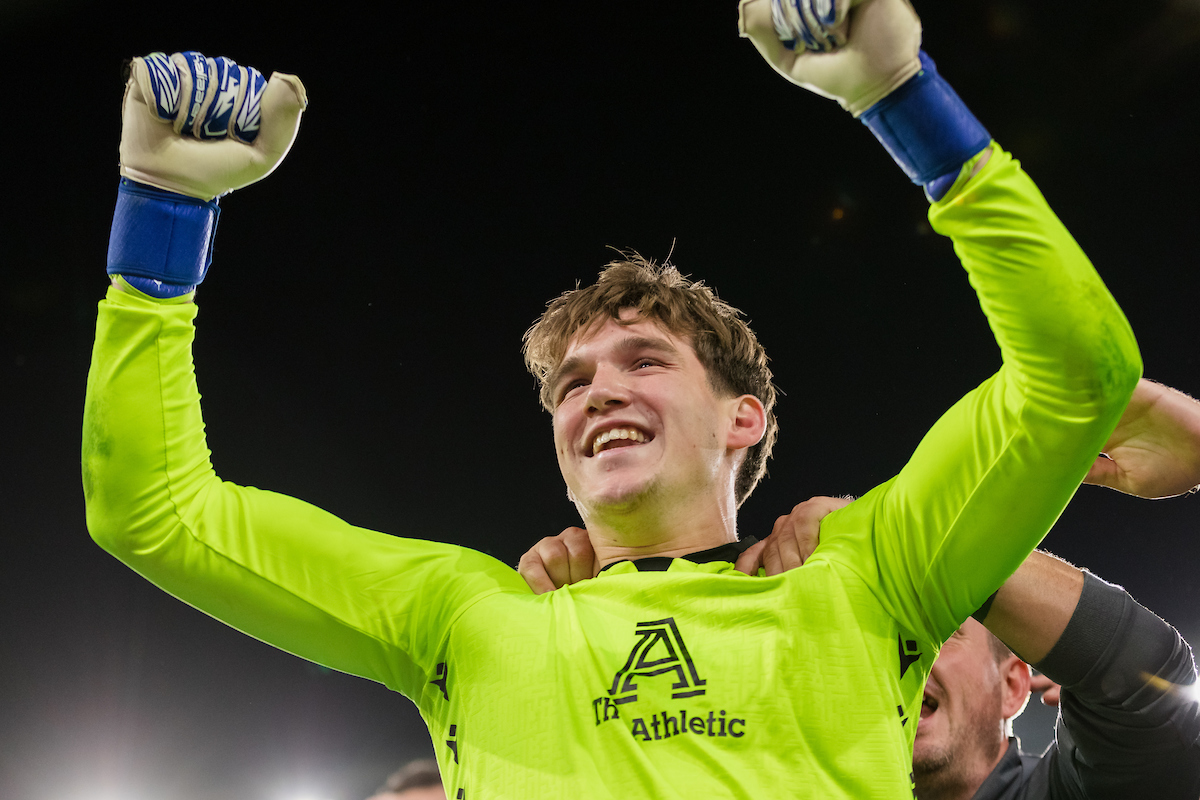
460	164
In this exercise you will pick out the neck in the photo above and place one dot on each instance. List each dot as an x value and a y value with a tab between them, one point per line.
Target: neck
642	530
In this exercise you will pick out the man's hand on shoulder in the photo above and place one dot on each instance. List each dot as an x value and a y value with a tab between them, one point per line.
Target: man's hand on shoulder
567	558
559	560
1155	450
793	538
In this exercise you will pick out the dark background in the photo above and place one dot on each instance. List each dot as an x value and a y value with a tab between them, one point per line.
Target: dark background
460	164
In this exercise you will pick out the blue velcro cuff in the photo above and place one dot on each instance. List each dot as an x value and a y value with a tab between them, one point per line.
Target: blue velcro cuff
163	291
163	236
926	127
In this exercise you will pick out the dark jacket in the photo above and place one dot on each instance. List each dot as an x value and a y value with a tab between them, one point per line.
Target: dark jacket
1125	730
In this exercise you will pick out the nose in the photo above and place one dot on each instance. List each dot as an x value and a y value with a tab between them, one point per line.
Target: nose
607	390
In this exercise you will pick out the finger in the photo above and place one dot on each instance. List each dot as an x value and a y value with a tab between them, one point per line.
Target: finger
790	554
283	101
1039	683
756	23
804	528
156	80
581	557
1049	689
556	559
805	522
750	561
197	82
216	118
243	91
534	572
772	561
812	27
822	506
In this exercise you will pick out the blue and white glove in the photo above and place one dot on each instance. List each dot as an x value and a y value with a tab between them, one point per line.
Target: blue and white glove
192	129
866	55
817	25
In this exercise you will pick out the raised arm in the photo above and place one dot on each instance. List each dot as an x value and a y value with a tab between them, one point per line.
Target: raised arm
994	473
272	566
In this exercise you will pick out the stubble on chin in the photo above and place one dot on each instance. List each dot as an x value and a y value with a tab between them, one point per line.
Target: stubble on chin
932	760
936	773
964	752
624	509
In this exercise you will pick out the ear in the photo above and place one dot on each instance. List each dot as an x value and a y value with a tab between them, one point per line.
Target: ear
1014	682
748	422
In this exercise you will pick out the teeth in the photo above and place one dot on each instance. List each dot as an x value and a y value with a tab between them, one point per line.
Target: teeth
617	433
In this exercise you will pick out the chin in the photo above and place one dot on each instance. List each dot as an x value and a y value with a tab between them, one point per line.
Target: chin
619	497
930	755
927	745
621	501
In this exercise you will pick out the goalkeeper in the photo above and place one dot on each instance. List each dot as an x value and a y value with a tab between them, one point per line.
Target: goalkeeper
673	675
1126	727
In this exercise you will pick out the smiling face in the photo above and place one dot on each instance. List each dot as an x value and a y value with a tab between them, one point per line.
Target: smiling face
969	698
690	311
637	422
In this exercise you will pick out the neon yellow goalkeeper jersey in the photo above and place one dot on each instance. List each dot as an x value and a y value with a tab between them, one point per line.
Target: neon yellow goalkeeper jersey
688	682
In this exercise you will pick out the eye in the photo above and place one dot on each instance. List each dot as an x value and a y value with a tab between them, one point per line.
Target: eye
569	388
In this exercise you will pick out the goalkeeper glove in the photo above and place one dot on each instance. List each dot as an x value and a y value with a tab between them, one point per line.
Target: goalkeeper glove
866	55
192	129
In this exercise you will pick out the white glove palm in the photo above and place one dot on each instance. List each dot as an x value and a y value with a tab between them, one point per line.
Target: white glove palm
190	124
879	54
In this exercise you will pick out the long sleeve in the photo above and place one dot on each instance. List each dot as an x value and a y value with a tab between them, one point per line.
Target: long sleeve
272	566
1121	731
994	473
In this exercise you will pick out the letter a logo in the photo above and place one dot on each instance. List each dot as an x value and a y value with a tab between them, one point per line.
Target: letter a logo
659	650
909	654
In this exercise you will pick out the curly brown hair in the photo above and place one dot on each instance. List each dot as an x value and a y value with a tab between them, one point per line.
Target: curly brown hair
732	357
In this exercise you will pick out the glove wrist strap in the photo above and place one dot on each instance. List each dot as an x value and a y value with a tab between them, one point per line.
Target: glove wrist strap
161	242
927	129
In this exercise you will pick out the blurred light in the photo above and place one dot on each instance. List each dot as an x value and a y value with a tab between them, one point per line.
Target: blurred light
1188	692
304	786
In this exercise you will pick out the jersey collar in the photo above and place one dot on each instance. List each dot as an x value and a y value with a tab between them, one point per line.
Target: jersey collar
726	552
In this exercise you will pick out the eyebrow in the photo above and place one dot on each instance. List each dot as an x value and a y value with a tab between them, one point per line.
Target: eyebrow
629	344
